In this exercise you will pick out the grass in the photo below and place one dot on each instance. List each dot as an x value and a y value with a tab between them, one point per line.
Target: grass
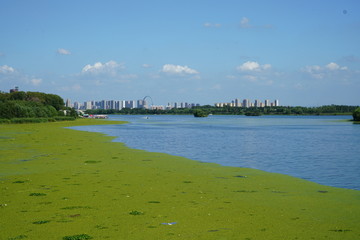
107	200
77	237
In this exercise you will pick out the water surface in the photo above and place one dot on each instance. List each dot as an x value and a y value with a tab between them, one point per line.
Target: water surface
322	149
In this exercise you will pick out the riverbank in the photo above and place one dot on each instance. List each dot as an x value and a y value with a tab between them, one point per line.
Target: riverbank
58	182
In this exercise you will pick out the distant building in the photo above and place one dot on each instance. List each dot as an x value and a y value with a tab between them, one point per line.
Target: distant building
68	103
87	105
246	103
16	89
277	103
76	105
267	103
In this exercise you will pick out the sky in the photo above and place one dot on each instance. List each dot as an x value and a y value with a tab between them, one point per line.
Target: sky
303	53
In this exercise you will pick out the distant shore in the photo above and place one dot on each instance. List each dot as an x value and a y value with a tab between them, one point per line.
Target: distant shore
58	183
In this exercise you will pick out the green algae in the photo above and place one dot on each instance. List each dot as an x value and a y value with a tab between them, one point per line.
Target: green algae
206	201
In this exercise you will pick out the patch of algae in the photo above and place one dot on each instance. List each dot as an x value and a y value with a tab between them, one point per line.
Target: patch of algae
88	186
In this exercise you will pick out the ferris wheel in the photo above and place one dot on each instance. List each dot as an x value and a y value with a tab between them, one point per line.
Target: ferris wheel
148	102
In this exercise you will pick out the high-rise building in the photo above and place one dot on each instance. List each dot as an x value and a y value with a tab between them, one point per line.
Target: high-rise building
237	102
76	105
87	105
277	103
141	104
246	103
267	103
68	103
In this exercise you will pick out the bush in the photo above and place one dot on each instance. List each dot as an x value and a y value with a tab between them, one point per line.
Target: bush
64	118
29	120
356	114
4	121
200	113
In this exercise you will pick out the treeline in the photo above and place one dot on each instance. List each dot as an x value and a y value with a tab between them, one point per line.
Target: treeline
33	106
227	110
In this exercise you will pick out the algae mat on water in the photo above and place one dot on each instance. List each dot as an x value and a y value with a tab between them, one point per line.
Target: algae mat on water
58	183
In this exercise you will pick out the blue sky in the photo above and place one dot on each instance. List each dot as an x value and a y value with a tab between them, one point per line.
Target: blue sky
301	52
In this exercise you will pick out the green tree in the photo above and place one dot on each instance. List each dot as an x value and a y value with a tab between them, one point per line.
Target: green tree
356	114
200	113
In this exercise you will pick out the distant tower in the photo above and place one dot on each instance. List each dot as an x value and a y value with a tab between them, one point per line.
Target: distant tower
68	103
277	103
267	103
246	103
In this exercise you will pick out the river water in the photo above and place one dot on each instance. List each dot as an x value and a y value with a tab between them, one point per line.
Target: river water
322	149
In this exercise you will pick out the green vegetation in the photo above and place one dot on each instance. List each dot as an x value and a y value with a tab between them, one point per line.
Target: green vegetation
356	114
33	107
77	237
255	113
227	110
206	201
200	113
134	212
37	194
41	222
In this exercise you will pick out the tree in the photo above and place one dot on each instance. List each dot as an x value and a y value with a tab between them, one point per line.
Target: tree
200	113
356	114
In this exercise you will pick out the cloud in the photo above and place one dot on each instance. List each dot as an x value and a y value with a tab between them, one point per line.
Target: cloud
251	78
212	25
333	66
178	70
320	72
216	87
146	65
245	23
5	69
63	51
110	67
253	66
36	81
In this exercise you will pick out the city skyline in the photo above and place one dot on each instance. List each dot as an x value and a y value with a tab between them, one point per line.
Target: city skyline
143	103
305	53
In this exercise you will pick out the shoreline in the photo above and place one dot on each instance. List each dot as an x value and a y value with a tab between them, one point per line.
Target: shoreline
106	190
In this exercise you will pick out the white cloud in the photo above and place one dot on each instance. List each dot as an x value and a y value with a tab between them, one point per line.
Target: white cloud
63	51
146	65
253	66
244	23
231	77
212	25
333	66
320	72
177	69
251	78
36	81
5	69
110	67
216	87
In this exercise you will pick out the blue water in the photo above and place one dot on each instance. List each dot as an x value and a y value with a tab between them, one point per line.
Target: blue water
321	149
